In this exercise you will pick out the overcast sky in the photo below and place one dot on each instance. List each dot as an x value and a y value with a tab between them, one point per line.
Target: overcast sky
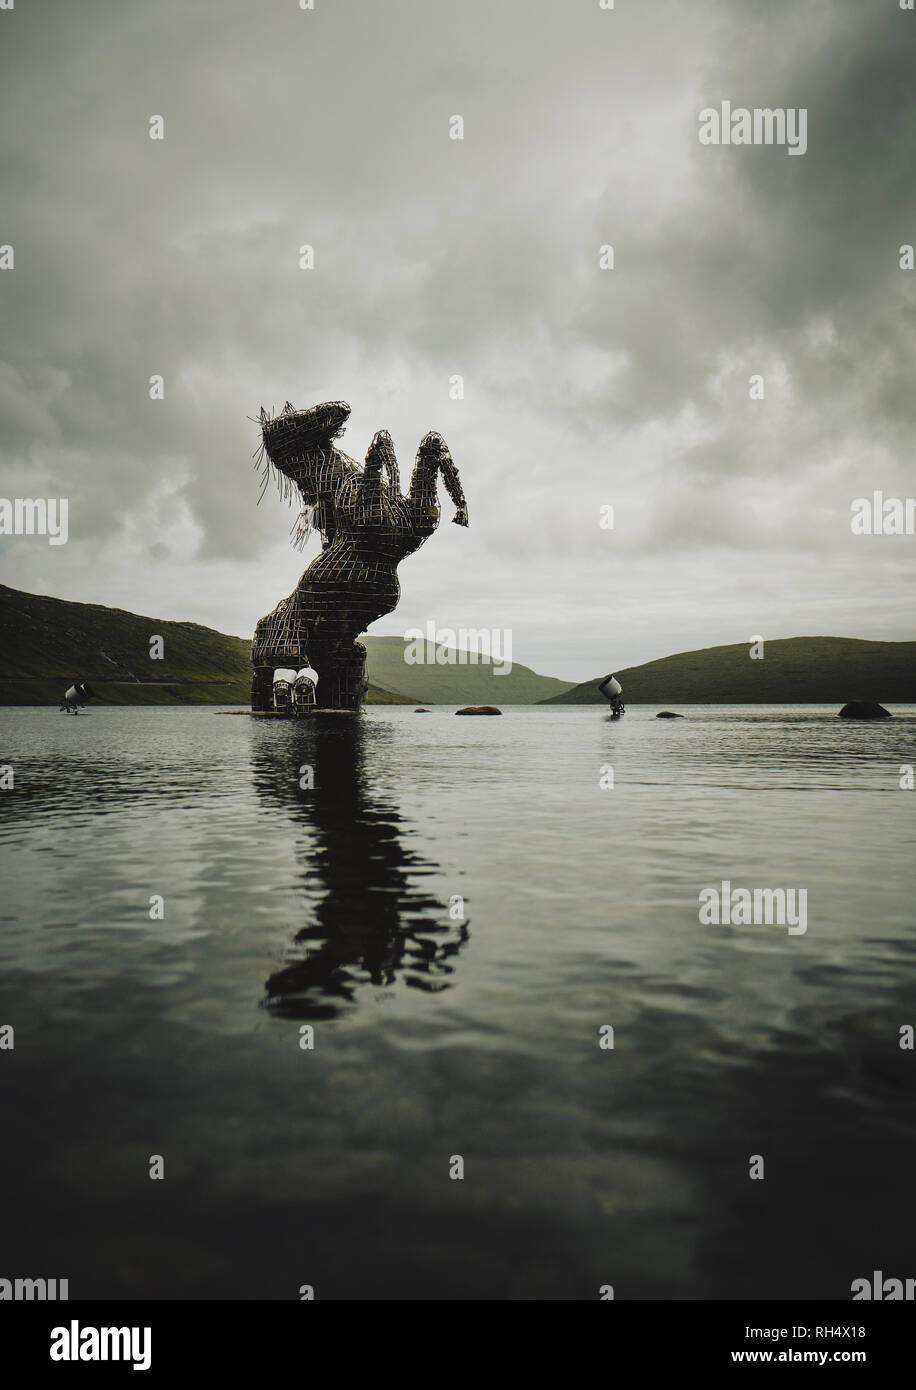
436	257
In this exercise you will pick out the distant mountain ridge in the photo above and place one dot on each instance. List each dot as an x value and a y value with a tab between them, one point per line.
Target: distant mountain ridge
449	675
793	670
45	643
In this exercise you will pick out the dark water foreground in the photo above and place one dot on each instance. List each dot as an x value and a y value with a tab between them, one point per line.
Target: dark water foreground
437	1037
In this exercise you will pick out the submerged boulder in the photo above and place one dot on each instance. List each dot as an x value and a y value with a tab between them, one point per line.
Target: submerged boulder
479	709
668	714
864	709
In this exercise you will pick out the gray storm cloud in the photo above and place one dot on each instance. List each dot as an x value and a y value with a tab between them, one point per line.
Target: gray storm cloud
479	258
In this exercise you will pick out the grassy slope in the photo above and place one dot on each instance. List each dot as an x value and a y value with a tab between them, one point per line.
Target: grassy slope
794	670
454	684
45	643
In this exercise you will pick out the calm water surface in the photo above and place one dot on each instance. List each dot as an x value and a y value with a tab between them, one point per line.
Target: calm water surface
436	1037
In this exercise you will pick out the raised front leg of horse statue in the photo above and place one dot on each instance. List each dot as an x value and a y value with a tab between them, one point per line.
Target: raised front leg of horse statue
367	528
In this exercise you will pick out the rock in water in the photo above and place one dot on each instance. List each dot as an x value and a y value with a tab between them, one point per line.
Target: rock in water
479	709
667	714
420	710
864	709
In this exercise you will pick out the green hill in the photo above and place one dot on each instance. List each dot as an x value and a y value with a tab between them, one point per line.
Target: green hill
794	670
45	643
455	682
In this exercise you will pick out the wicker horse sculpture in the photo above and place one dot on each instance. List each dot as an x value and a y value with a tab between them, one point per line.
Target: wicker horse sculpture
367	527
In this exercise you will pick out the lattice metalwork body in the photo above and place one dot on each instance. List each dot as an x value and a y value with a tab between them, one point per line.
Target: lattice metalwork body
367	527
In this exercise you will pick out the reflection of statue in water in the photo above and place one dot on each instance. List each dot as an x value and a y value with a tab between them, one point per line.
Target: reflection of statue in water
367	527
372	924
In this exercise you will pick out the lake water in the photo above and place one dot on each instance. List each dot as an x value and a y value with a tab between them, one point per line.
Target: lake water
435	1037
